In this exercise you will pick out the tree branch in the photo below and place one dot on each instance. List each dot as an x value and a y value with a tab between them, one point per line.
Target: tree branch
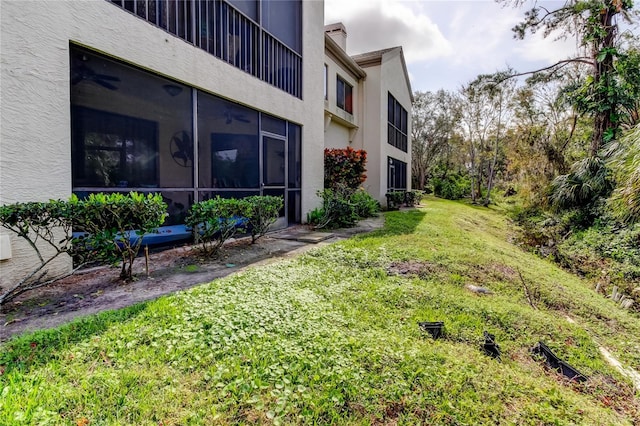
558	65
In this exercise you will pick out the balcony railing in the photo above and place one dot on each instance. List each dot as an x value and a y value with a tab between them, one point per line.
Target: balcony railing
224	32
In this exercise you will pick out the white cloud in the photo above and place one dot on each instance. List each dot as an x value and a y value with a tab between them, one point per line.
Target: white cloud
537	48
378	24
446	43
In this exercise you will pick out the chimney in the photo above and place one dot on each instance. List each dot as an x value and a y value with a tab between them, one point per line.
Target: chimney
338	33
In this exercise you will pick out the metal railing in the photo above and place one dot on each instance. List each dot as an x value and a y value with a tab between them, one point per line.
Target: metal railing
218	28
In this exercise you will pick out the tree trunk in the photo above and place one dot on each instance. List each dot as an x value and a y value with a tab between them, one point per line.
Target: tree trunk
604	69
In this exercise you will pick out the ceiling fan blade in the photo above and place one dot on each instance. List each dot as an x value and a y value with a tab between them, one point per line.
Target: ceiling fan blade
105	84
107	77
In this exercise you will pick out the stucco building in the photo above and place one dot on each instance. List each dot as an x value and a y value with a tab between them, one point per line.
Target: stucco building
188	98
367	106
191	99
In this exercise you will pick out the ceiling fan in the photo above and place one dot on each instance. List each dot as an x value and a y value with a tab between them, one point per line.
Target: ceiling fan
230	116
80	71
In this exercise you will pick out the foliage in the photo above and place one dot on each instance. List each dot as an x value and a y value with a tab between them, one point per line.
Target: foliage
452	187
216	220
586	242
433	122
46	227
411	198
107	219
587	183
342	208
337	210
344	168
485	114
364	204
395	199
601	94
625	163
116	224
262	212
297	342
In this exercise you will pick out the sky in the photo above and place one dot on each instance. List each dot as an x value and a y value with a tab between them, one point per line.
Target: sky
447	43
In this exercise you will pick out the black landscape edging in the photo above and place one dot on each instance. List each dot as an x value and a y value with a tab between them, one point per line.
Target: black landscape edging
436	328
553	362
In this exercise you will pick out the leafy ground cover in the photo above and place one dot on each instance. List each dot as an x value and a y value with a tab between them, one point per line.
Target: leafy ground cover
331	337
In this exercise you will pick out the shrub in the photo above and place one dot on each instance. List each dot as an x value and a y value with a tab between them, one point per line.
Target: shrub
216	220
364	204
262	212
412	197
337	210
39	222
107	219
452	187
344	168
394	199
116	223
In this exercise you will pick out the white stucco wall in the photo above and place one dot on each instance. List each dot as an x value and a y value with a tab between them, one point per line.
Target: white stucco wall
336	136
369	136
35	134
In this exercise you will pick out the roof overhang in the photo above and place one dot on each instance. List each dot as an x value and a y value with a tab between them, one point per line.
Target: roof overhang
332	49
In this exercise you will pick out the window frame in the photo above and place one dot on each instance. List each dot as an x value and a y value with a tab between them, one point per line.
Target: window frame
397	124
344	100
399	173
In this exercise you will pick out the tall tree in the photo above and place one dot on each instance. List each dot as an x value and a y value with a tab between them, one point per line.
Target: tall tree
434	116
485	113
594	23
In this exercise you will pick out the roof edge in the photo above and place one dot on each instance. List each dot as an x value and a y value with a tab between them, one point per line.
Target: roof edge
346	60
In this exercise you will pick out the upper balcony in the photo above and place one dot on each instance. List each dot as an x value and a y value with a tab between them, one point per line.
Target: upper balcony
235	36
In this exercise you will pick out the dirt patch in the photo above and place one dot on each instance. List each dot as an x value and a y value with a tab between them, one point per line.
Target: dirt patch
414	268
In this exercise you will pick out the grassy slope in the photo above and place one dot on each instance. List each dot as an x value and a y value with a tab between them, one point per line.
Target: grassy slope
331	337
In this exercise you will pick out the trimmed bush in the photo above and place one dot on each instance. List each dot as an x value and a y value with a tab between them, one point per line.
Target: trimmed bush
411	198
342	208
262	212
337	210
216	220
36	222
394	199
107	219
116	223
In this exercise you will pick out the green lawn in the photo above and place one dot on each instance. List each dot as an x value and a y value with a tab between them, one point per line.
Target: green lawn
331	337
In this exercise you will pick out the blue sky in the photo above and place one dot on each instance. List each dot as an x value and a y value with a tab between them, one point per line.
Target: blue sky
446	43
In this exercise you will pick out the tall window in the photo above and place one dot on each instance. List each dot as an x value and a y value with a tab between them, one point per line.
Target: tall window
344	95
397	127
396	175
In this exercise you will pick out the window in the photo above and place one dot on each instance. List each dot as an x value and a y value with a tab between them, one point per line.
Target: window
132	130
260	37
344	95
326	82
396	175
397	126
114	150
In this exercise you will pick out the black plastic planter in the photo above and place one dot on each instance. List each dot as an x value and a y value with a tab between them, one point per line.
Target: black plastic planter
552	361
490	347
434	328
